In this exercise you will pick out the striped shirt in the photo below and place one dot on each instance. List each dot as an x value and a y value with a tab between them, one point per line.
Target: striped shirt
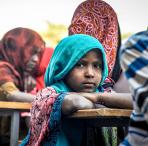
134	62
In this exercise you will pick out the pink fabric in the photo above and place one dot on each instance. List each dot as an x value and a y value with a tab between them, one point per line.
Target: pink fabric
41	110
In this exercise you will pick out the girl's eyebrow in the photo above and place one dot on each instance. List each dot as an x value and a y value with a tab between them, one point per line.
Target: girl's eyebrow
85	60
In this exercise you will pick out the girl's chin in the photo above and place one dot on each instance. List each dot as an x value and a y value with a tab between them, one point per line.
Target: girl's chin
88	90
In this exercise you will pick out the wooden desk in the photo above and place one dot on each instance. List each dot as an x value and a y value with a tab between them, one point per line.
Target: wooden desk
91	117
103	117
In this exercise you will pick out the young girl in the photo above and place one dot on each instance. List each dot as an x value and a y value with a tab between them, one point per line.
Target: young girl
78	66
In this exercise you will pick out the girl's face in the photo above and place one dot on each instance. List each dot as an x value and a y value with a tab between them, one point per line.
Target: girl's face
86	74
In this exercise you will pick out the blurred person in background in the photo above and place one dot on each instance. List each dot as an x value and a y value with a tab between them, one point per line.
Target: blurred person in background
134	62
21	50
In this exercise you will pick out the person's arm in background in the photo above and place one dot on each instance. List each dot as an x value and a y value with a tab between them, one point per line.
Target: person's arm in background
112	99
11	93
20	96
122	85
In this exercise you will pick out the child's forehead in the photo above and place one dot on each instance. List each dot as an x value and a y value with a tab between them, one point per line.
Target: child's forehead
95	52
92	55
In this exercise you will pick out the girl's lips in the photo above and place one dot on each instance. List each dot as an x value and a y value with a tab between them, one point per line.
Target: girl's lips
89	85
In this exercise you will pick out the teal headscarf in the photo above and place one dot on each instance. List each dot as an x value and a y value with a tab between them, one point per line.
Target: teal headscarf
66	54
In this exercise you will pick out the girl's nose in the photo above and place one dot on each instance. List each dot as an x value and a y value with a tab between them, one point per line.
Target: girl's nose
89	71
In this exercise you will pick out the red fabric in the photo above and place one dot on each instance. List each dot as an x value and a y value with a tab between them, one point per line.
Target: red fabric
43	65
8	73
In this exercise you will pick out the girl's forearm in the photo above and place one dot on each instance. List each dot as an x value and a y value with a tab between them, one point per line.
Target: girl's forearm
116	100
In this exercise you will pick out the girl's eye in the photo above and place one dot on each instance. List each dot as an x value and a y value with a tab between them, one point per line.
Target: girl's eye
80	65
97	66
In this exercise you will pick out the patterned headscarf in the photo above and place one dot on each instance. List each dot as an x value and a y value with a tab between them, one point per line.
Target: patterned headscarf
67	53
16	48
98	19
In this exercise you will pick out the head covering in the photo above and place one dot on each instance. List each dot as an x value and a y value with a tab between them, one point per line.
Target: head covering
67	53
98	19
16	48
134	62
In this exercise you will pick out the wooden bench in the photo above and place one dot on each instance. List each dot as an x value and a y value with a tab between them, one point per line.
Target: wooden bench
91	117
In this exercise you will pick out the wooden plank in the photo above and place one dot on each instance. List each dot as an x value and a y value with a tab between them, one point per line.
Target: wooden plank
15	105
89	113
78	114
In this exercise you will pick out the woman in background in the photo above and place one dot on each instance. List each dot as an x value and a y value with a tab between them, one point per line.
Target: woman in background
21	51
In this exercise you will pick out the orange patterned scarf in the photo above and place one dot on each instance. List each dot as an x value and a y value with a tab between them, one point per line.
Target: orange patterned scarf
98	19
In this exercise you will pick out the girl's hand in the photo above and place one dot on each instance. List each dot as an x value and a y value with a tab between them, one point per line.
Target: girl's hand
93	97
73	102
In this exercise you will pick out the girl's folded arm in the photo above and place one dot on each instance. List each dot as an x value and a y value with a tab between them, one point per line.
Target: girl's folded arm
113	99
74	102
